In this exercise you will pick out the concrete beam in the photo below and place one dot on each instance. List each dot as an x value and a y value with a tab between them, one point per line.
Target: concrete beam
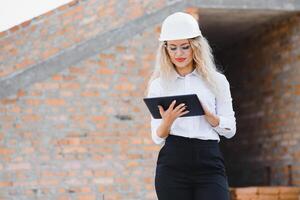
282	5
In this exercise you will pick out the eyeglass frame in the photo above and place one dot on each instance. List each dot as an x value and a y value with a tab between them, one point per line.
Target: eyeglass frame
180	47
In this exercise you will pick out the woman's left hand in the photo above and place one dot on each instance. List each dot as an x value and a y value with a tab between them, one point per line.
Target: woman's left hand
210	117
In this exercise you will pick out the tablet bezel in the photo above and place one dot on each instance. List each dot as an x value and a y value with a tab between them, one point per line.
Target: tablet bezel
191	100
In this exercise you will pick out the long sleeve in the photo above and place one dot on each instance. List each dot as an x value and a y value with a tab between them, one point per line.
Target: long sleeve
224	109
154	91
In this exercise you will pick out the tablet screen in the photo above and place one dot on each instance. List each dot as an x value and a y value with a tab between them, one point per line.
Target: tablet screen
191	101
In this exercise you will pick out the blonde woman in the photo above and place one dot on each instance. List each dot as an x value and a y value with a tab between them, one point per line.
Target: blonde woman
190	165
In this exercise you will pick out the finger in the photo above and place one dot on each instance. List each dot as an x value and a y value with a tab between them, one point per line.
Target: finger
179	110
161	110
180	106
183	113
172	105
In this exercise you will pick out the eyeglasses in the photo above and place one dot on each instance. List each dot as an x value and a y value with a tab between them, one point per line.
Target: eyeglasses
185	48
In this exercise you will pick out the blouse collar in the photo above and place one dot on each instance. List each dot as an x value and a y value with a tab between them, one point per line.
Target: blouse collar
175	75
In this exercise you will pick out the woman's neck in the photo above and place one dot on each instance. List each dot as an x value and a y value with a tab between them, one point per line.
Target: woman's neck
182	71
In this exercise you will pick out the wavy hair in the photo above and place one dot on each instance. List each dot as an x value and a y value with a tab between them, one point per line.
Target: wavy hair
203	62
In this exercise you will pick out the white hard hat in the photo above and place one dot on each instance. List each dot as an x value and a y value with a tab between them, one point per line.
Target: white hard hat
179	26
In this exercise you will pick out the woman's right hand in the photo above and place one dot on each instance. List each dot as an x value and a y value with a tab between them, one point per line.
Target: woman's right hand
172	113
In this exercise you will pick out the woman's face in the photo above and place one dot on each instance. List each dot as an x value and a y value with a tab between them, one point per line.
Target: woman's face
180	52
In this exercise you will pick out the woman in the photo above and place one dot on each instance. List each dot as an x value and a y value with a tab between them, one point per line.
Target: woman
190	165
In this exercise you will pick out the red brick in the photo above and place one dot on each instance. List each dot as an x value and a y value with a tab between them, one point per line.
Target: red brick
5	184
31	117
6	151
26	62
77	70
49	182
73	12
70	86
267	197
57	77
136	10
125	87
3	33
69	141
246	190
8	101
99	118
25	24
106	56
73	3
63	7
268	190
288	197
74	149
14	29
289	190
86	197
15	109
120	49
55	102
19	166
105	71
33	102
49	52
90	94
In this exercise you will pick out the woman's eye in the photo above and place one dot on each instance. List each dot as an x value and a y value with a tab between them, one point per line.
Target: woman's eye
186	47
173	49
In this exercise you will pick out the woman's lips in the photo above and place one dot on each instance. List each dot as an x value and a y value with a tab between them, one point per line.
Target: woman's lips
179	59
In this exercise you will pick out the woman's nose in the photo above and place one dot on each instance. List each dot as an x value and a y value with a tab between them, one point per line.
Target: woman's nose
178	52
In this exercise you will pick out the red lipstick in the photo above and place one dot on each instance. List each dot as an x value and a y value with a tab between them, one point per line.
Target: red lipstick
179	59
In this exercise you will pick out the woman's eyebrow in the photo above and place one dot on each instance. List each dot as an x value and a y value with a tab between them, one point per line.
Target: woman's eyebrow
180	45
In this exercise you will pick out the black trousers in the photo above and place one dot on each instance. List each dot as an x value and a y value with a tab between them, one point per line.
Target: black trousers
190	169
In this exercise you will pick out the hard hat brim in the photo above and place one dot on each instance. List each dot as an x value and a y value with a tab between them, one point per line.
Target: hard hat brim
179	38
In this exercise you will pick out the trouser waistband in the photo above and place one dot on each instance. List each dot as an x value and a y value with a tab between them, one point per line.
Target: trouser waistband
180	140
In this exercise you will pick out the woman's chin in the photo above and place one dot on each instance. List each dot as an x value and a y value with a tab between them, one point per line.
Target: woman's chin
181	65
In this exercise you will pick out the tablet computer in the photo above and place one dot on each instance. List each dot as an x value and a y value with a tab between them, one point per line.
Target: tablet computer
191	101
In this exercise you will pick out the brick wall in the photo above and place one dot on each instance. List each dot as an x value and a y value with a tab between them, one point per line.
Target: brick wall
82	133
264	74
46	35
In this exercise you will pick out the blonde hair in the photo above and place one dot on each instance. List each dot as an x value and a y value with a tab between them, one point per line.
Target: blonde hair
202	58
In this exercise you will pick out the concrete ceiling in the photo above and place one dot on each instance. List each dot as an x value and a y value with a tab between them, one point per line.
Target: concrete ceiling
224	27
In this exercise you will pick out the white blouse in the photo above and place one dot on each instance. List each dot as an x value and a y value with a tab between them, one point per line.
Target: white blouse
197	126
